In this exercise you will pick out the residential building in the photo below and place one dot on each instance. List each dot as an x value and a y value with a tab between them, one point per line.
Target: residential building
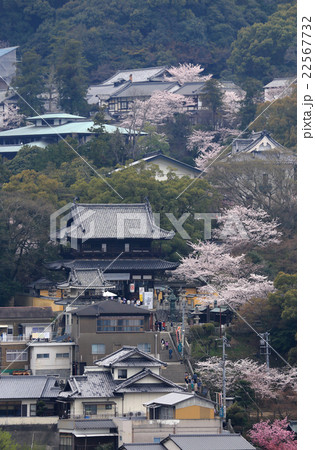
278	88
116	386
52	358
18	326
100	94
225	441
104	327
121	101
49	129
28	396
260	145
165	165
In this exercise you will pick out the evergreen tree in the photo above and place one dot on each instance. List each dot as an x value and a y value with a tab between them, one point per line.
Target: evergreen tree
29	84
71	78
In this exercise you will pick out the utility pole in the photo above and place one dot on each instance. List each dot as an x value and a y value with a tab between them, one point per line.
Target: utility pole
264	347
183	327
224	343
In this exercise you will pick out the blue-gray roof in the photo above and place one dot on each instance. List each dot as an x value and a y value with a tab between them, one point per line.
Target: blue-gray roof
66	129
4	51
210	441
31	386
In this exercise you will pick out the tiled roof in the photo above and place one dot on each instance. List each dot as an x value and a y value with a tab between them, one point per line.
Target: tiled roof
90	385
159	156
131	385
26	312
210	441
129	356
279	82
32	386
142	74
192	88
110	307
94	273
144	89
116	221
92	424
108	265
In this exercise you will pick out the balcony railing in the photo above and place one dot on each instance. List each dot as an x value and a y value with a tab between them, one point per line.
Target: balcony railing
47	336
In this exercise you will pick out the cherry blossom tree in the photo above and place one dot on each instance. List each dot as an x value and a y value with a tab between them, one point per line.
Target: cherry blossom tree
207	145
242	226
272	436
161	106
266	383
185	73
222	266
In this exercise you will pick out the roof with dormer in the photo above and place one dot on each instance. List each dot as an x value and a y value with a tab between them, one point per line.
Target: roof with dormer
129	356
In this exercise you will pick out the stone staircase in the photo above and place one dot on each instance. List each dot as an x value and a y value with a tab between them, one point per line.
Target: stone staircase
175	370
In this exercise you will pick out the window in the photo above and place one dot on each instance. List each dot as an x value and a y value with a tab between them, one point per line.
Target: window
65	442
62	355
16	355
127	247
104	248
145	347
122	373
122	325
109	406
90	409
98	349
38	329
33	410
123	105
42	355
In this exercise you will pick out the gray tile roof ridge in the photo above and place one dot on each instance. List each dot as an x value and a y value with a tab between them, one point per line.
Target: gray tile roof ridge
138	376
132	351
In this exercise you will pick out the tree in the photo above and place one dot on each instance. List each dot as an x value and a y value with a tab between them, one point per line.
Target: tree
212	98
160	107
266	383
71	77
280	119
24	236
221	265
186	73
29	84
284	304
263	50
267	184
269	436
6	442
208	145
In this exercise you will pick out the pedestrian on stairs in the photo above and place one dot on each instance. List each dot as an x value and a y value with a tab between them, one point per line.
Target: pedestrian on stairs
170	353
166	345
162	343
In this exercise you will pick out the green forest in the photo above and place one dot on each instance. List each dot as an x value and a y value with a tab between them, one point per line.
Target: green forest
235	38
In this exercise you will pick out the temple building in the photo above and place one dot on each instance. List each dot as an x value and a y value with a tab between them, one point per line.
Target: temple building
107	251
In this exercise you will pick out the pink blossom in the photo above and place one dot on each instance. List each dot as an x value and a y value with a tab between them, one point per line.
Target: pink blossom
185	73
267	383
273	436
